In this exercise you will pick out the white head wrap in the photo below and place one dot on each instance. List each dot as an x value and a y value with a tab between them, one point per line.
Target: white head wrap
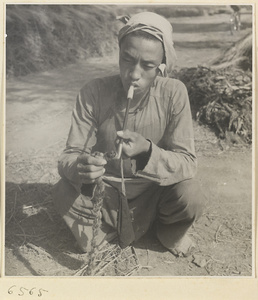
156	26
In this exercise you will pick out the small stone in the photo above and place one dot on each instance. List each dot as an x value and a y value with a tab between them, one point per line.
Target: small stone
247	79
199	261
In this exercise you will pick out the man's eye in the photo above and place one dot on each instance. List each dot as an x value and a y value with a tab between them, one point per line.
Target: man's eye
148	67
127	59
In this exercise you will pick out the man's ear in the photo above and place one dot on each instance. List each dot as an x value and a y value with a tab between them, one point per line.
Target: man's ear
123	19
163	70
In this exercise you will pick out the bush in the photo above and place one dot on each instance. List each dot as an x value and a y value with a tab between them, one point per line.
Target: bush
40	37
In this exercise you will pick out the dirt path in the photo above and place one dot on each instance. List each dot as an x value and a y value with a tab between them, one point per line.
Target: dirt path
38	111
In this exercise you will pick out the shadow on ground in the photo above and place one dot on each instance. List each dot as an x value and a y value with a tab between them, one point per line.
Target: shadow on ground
33	227
39	241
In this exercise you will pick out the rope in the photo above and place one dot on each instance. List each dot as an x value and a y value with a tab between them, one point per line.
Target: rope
97	200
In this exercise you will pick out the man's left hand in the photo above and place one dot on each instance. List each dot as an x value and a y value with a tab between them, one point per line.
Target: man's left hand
134	143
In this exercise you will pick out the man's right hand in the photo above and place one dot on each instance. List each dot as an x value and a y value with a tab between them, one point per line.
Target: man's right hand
90	167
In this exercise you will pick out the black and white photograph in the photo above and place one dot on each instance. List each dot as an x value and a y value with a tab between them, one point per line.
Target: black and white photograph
129	140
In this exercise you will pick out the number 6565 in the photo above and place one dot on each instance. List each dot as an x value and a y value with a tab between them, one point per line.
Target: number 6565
22	291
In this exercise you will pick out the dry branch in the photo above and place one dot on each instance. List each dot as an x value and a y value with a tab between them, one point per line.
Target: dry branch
222	99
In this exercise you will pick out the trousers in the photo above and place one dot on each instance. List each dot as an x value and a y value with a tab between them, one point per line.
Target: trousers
173	208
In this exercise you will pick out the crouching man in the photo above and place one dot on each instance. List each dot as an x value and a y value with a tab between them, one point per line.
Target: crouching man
158	156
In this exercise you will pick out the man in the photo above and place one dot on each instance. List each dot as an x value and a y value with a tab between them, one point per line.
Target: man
236	16
158	153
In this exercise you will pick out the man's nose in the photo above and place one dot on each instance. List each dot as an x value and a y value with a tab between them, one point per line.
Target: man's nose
135	72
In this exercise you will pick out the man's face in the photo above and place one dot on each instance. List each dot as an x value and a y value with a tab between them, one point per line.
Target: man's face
139	59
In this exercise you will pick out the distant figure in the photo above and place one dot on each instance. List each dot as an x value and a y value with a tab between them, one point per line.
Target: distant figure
235	18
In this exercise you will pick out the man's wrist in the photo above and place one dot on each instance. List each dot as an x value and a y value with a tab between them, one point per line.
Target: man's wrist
143	158
147	147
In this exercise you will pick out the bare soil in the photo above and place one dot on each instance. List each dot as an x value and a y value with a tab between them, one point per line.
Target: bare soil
38	110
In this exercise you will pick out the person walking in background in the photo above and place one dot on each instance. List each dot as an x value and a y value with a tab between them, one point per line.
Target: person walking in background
235	18
158	157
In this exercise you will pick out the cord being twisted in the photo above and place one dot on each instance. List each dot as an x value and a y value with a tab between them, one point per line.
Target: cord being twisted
98	196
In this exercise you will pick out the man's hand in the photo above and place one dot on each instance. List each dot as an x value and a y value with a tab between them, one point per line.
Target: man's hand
90	167
134	143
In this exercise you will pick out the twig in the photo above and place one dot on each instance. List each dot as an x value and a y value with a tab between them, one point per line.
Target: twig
136	268
104	249
13	210
218	261
24	234
119	258
81	270
135	254
111	255
146	267
216	234
102	269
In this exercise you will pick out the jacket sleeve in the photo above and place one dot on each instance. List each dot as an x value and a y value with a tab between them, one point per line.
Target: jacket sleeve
173	159
81	138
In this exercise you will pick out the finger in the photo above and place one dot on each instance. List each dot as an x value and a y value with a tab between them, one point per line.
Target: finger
91	175
97	154
88	168
91	160
97	161
127	151
87	181
127	134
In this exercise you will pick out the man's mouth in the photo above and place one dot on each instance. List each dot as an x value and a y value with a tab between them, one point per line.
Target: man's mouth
135	85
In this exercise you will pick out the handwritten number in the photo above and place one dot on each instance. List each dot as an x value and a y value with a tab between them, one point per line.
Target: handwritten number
40	293
10	289
31	291
21	290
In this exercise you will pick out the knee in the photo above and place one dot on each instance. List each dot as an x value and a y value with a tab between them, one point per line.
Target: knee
64	195
190	198
184	201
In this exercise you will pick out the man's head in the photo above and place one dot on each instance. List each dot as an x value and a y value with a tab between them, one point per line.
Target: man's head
140	56
145	43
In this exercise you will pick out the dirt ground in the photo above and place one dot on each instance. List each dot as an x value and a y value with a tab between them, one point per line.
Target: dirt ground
38	110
